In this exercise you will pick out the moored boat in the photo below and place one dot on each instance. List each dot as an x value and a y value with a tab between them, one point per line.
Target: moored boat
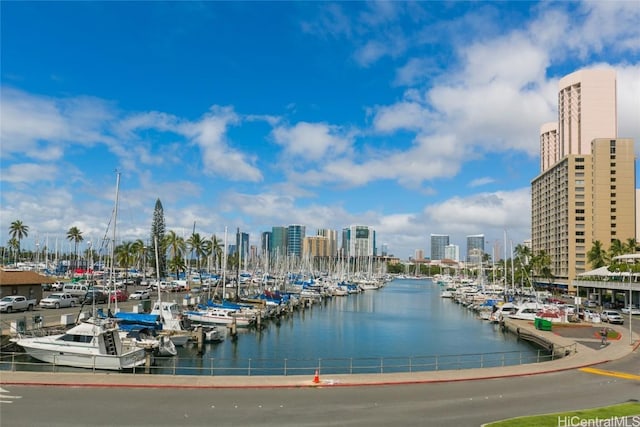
93	345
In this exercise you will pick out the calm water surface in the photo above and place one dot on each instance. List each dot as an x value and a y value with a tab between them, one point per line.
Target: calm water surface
406	318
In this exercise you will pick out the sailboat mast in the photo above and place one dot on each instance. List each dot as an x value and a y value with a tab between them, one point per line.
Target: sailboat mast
113	242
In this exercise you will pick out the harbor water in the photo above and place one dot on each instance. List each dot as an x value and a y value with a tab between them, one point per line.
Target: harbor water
404	320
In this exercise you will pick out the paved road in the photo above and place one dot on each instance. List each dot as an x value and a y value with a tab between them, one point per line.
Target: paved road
459	403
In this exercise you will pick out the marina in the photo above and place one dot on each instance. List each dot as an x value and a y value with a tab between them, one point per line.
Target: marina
403	326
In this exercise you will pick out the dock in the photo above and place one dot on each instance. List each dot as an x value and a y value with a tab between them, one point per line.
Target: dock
556	345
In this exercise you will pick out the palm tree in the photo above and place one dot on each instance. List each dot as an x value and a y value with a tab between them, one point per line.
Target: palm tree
616	248
522	253
597	256
631	246
125	257
177	264
216	250
75	235
14	245
18	231
196	243
176	246
541	264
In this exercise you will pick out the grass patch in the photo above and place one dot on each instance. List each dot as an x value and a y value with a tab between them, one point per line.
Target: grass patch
581	417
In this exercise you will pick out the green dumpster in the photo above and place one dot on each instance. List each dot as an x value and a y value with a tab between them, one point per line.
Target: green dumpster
543	324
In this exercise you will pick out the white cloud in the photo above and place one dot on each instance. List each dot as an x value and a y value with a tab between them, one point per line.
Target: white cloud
40	127
28	172
311	141
478	182
403	115
218	157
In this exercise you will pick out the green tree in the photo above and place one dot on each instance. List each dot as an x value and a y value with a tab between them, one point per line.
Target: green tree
198	246
158	230
176	246
177	264
631	246
216	251
597	256
18	231
523	263
14	246
75	235
125	257
616	248
541	266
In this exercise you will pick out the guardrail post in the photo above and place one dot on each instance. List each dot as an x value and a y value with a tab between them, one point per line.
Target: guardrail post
249	368
13	362
410	364
351	365
436	362
503	359
285	366
482	360
381	365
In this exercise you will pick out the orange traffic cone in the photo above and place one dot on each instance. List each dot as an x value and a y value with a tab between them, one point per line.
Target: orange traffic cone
316	378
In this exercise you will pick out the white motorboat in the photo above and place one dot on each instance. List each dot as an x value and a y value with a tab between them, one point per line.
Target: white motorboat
526	311
173	322
220	316
503	310
94	345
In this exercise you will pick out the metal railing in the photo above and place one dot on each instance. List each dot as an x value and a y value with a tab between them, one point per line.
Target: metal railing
255	367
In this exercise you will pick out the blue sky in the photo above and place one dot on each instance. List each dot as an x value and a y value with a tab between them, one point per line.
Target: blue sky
412	118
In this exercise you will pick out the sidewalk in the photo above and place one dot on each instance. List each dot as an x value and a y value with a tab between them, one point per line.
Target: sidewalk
585	355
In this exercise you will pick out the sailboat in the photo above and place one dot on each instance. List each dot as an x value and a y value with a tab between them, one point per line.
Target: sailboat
173	323
94	343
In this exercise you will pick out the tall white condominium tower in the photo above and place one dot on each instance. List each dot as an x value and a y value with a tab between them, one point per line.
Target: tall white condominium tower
360	241
586	187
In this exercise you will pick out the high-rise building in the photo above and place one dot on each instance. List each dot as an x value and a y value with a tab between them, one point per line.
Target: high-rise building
279	240
295	236
586	189
452	252
359	241
475	248
242	246
266	242
418	254
438	243
332	240
315	247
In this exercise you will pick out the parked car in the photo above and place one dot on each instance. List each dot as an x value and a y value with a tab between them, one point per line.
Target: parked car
57	286
612	316
95	296
59	300
118	295
140	294
590	304
631	309
12	303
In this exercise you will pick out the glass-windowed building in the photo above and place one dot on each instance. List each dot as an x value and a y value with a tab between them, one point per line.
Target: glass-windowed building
438	243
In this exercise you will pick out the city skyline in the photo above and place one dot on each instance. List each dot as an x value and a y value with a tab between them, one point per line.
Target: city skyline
409	118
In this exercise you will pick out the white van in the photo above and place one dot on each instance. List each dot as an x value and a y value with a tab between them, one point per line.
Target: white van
78	290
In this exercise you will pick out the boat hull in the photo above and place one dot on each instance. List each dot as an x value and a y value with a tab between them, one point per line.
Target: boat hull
67	357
